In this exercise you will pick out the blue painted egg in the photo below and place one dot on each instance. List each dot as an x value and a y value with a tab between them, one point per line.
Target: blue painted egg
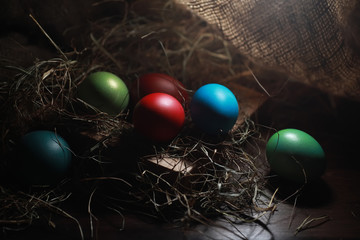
45	157
296	156
214	109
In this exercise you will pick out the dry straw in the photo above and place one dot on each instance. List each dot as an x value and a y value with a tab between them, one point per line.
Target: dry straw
222	177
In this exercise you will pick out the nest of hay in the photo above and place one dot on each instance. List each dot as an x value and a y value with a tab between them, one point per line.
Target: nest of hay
211	176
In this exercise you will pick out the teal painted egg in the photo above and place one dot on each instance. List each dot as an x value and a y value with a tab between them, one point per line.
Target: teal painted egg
104	91
45	157
295	155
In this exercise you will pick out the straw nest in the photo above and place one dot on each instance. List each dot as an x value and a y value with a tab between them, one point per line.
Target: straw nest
220	176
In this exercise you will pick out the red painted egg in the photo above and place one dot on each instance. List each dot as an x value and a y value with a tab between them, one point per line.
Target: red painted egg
158	83
158	117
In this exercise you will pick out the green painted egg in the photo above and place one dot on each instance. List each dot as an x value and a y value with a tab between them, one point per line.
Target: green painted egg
295	155
104	91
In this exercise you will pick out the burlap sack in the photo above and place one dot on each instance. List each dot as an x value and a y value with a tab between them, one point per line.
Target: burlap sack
314	40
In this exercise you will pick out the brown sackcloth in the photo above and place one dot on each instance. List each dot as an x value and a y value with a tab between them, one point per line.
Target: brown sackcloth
315	40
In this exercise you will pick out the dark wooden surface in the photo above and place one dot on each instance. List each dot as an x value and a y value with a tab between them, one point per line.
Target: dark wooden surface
334	122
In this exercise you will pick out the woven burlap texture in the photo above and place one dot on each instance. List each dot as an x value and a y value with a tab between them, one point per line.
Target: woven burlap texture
314	40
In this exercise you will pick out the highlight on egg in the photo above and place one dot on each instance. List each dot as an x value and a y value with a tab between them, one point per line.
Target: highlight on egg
105	91
45	157
296	156
214	109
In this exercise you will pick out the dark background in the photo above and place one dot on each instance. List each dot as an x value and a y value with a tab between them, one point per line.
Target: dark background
332	120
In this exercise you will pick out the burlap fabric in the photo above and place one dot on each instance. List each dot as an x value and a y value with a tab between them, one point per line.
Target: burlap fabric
314	40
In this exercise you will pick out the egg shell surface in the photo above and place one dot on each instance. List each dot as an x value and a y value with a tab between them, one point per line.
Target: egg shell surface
45	157
104	91
158	82
291	152
158	117
214	108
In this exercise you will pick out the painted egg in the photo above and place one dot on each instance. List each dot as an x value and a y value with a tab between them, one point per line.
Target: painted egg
158	82
214	108
45	157
295	155
158	117
104	91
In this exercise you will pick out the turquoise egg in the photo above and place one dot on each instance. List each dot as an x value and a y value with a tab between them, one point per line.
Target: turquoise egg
295	155
214	109
45	157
